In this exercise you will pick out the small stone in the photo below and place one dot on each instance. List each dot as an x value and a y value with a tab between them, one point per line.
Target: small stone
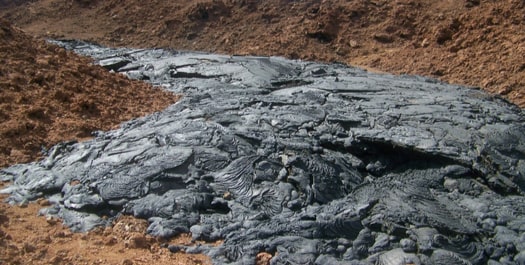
497	253
138	241
50	220
110	241
350	254
29	247
175	248
488	224
383	38
471	3
74	182
46	240
62	234
43	202
381	243
340	249
451	184
55	260
408	245
4	235
263	258
425	43
227	196
442	35
127	262
23	204
505	90
344	241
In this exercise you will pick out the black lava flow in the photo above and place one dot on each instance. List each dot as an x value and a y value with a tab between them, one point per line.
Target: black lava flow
313	163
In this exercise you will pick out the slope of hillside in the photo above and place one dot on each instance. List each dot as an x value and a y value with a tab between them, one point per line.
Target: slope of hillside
50	95
471	42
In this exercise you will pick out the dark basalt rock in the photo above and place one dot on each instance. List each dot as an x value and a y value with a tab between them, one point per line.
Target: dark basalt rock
320	164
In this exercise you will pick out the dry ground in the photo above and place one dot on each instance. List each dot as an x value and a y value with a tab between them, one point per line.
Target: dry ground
473	42
48	95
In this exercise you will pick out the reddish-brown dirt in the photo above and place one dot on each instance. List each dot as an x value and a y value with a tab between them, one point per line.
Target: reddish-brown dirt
473	42
29	239
49	95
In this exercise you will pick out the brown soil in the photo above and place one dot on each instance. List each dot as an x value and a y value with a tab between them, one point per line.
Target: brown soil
49	95
473	42
29	239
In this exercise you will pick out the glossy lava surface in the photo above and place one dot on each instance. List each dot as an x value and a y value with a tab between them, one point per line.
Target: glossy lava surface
315	163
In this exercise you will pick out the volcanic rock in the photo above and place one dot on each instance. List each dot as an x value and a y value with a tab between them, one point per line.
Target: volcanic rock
322	164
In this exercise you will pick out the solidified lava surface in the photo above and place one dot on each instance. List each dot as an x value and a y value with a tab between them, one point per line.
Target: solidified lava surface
313	163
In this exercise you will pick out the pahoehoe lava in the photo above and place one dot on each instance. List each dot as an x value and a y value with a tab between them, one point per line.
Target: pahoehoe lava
314	163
